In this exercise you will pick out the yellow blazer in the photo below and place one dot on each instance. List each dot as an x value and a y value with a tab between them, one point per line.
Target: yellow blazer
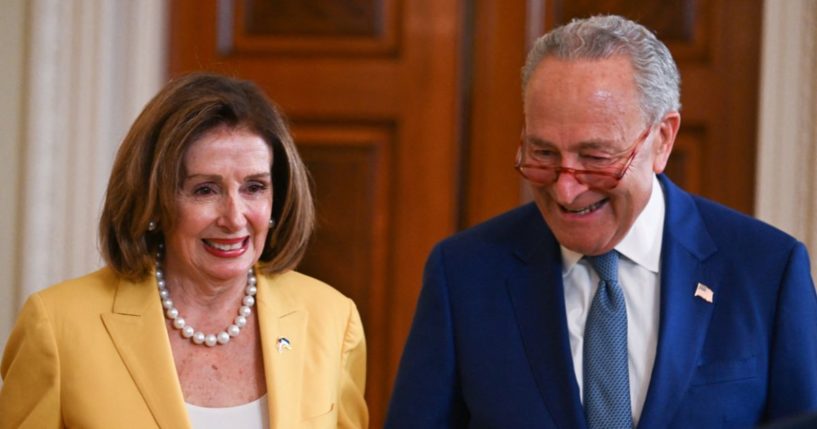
94	353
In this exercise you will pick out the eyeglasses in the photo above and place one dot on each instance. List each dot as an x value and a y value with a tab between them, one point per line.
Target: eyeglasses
545	169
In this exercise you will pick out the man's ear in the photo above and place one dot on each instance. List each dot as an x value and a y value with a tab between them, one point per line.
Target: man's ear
664	139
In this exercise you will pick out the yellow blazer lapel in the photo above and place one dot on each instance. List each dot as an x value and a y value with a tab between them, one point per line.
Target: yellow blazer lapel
138	331
282	324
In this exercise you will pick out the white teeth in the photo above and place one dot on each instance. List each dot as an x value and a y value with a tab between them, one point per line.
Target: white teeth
225	247
587	209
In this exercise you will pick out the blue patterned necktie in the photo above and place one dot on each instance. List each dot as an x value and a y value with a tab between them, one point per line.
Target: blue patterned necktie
606	375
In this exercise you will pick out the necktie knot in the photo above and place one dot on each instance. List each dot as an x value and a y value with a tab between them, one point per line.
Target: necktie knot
606	265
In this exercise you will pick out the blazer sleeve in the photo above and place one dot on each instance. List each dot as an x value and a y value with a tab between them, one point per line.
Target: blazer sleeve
30	396
352	412
427	392
793	356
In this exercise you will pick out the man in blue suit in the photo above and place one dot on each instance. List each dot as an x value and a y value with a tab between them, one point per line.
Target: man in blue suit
616	300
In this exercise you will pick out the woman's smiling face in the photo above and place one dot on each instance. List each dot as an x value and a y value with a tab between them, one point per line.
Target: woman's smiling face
223	206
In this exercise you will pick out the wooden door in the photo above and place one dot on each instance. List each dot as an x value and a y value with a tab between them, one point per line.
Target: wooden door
371	88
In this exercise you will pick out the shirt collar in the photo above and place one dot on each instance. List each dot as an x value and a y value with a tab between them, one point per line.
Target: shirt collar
642	244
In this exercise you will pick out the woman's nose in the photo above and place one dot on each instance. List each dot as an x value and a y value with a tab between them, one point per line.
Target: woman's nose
232	213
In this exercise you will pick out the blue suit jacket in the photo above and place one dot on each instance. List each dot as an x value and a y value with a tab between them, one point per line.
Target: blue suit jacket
489	345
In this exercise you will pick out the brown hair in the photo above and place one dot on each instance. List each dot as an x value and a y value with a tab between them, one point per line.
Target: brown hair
148	170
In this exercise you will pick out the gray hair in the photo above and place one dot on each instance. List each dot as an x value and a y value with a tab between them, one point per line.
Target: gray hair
601	37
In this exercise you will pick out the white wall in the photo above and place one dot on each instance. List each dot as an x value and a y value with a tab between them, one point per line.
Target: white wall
786	194
12	54
77	72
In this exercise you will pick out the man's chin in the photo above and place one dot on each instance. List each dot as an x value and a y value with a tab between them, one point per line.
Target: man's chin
583	245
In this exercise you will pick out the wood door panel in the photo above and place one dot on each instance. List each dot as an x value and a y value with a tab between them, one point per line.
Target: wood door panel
490	185
341	18
350	165
309	27
336	91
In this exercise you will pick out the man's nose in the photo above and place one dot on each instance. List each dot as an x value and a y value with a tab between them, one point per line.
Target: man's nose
567	187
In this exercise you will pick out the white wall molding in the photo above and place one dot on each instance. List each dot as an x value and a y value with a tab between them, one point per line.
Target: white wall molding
786	192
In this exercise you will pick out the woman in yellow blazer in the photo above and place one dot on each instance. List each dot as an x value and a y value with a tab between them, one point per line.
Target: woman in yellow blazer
198	319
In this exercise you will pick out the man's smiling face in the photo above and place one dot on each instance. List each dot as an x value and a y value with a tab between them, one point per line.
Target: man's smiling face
585	111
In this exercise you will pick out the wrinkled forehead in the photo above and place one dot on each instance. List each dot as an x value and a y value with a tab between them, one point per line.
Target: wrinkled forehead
583	84
556	79
582	100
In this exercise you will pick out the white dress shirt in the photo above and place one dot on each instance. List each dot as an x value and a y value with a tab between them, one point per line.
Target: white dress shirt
638	274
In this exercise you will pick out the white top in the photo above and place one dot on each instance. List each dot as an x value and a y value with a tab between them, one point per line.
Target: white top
638	274
252	415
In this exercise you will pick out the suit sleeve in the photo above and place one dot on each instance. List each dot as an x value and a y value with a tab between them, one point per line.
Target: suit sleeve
352	412
30	395
427	393
793	356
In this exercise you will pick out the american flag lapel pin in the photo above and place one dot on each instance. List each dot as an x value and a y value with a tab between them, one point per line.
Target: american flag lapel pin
283	344
704	292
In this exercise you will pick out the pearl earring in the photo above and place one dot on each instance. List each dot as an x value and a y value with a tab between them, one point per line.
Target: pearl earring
271	223
152	226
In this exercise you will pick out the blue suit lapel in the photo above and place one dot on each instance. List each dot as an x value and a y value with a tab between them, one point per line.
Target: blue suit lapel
684	318
537	296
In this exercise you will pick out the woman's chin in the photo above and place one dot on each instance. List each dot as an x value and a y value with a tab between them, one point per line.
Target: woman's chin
228	271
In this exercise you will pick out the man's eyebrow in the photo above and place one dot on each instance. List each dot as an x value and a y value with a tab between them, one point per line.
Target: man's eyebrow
536	141
587	144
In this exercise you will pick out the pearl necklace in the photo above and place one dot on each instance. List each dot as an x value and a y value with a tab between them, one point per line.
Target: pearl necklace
198	337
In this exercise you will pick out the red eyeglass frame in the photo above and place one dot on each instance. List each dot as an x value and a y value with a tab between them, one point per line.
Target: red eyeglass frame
616	176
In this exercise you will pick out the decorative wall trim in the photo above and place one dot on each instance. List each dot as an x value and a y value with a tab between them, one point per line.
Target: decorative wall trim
92	65
786	190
